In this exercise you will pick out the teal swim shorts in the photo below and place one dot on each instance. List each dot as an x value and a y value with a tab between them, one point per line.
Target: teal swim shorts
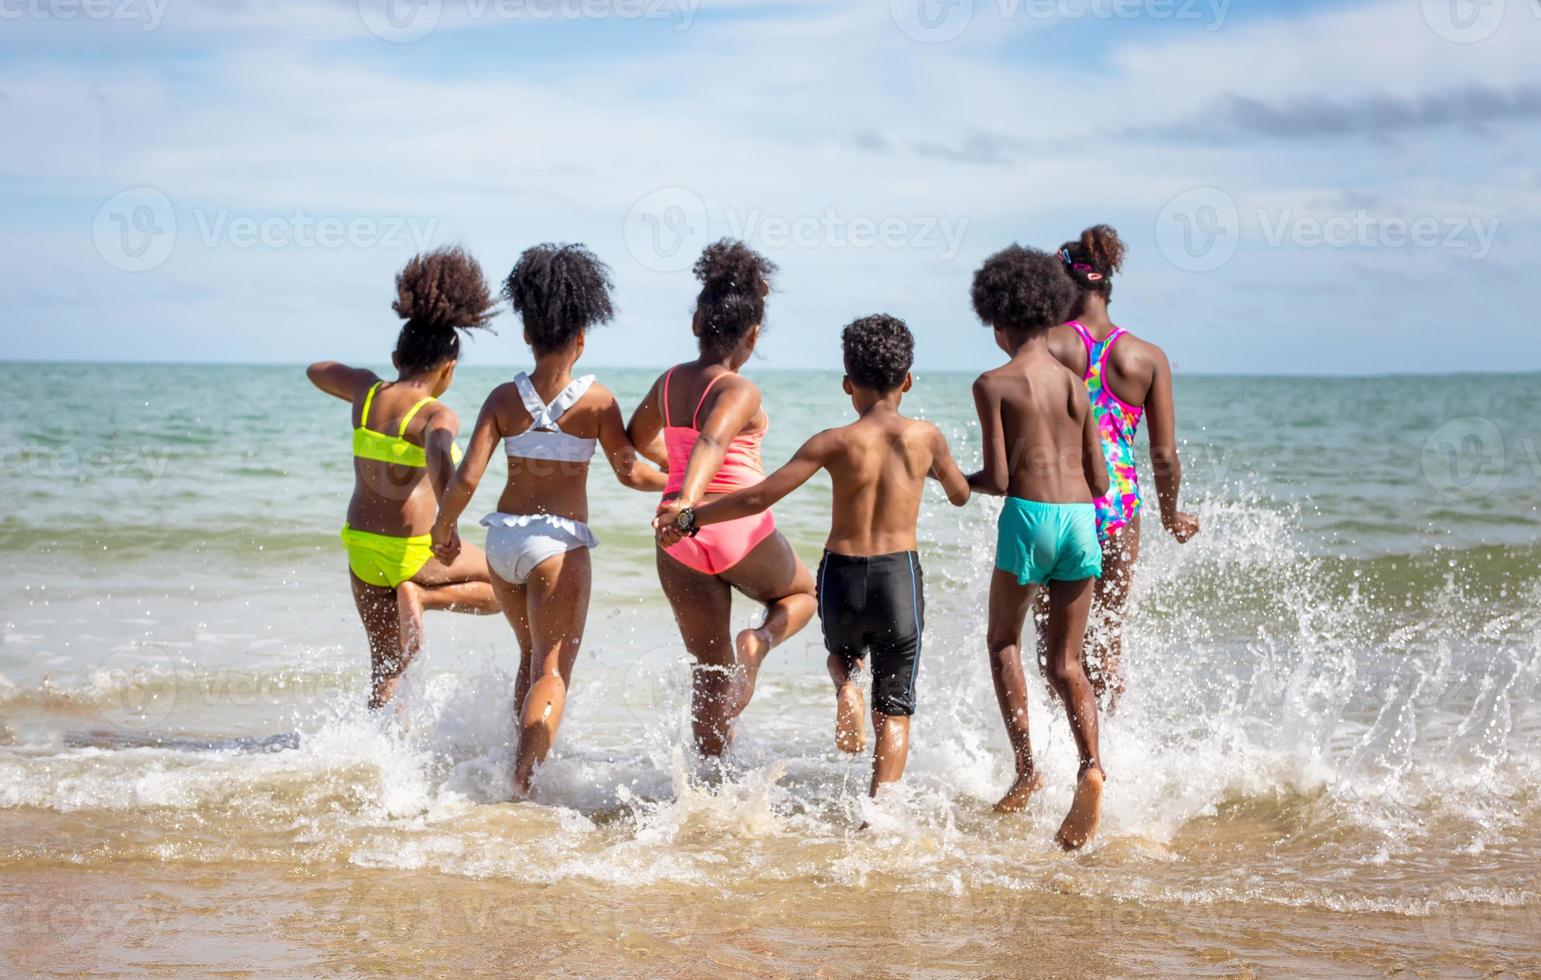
1040	543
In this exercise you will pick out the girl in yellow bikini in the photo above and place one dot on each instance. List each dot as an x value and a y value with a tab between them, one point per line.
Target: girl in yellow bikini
404	454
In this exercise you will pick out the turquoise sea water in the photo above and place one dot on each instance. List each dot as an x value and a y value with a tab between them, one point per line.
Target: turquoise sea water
1347	656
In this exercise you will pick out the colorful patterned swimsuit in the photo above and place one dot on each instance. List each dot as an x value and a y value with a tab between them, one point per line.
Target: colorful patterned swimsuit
1118	422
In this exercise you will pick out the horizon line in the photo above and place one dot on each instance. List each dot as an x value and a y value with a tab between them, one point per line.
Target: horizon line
1261	375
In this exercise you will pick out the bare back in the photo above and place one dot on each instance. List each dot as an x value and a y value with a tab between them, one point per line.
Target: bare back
1046	438
544	486
390	498
1133	365
879	465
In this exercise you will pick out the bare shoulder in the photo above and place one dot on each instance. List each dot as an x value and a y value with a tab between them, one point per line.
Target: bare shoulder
598	398
1134	350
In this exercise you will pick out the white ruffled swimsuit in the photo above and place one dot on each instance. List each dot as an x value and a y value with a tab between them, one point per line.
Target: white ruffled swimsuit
518	543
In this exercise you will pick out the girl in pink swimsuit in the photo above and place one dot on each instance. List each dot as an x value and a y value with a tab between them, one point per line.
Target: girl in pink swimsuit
718	452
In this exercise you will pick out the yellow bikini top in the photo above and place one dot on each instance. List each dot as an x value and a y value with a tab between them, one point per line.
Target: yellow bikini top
369	444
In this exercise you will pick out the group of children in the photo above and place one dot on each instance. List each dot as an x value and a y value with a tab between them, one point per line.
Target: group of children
1046	450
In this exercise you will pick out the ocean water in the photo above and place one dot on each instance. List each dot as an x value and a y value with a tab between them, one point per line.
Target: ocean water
1328	762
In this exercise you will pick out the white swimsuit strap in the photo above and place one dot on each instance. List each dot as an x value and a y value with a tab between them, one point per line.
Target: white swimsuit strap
545	416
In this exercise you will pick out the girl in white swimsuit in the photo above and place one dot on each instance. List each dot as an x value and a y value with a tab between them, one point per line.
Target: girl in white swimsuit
538	541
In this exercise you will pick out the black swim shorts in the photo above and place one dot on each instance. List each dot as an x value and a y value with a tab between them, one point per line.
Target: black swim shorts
876	604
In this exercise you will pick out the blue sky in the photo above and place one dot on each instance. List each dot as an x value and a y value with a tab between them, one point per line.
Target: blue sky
1309	187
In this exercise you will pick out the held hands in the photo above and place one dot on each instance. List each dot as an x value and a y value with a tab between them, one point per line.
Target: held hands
1182	526
446	543
664	524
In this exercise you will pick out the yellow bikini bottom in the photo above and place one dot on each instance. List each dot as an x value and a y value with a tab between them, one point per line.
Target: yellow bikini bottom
383	560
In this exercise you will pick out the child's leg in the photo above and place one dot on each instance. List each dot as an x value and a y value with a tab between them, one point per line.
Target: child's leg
1009	603
892	749
516	610
463	587
774	576
1105	641
850	705
703	609
387	661
1069	606
557	594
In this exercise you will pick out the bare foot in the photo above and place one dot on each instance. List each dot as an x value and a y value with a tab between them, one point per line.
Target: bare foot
850	719
1085	812
1016	798
751	646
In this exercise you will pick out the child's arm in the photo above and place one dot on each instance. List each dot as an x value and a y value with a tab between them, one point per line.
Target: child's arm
1164	460
757	499
1093	462
456	496
733	410
339	380
645	430
994	479
945	471
624	457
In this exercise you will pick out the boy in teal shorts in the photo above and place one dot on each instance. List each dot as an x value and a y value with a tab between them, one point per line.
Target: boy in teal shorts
1043	453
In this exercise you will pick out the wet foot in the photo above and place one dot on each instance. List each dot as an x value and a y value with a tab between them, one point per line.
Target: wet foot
850	719
751	647
1016	798
1085	812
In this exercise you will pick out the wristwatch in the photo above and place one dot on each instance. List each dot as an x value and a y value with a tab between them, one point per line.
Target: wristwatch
686	522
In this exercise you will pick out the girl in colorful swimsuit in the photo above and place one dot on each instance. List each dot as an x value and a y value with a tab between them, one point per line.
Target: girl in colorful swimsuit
404	453
538	541
1129	380
711	423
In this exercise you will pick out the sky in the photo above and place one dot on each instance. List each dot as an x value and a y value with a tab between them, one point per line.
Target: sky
1348	187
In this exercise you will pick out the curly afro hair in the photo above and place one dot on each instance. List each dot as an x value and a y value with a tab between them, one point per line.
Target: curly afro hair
560	291
1022	289
735	280
879	350
1101	252
439	293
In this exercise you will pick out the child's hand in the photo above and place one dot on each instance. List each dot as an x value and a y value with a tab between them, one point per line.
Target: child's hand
1183	526
446	543
669	533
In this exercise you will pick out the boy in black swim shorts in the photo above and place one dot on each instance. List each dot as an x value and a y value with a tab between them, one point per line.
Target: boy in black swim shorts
870	587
